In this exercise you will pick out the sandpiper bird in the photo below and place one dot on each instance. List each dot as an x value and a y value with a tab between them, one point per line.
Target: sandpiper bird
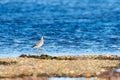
39	43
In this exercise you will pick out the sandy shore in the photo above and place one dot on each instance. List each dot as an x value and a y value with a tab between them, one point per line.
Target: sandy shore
70	66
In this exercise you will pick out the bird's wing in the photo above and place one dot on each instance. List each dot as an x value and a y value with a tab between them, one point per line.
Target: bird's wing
33	45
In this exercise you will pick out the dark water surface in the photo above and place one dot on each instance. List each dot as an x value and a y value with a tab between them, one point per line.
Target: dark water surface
70	27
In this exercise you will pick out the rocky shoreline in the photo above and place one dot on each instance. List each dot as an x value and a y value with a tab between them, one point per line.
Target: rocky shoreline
60	66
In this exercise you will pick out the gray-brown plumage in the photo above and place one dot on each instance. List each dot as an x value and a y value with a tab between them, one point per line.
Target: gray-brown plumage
39	43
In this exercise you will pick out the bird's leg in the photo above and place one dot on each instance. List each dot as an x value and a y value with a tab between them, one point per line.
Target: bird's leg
39	51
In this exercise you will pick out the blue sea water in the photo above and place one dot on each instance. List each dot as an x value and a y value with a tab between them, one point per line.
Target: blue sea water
70	27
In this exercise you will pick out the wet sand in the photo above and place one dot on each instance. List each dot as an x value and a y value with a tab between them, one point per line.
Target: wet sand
60	66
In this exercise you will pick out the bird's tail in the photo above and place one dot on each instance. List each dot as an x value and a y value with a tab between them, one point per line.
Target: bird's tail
33	46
